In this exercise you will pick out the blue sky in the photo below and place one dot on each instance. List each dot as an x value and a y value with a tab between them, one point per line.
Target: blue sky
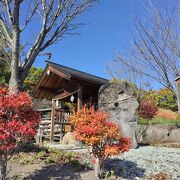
109	28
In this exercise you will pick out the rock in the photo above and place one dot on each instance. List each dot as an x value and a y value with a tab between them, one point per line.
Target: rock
119	101
174	135
158	134
69	139
155	134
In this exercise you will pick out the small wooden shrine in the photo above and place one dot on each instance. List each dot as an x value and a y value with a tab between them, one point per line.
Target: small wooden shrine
69	90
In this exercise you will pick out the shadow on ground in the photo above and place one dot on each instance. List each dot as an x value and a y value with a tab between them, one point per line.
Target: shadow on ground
121	168
56	171
124	169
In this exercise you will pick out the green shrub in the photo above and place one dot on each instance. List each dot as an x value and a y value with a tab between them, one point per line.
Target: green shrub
178	118
69	155
55	156
109	175
41	155
143	121
59	156
164	98
115	80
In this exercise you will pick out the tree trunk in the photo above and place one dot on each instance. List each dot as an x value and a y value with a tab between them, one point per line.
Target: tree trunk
3	167
15	82
99	168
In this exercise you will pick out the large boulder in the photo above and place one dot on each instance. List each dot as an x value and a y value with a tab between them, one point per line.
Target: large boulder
118	99
152	134
174	135
158	134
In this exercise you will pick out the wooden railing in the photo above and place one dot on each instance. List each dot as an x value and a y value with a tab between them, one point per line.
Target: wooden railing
61	125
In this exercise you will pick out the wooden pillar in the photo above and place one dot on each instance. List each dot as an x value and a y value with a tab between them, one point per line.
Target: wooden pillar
91	101
61	132
52	122
79	98
178	93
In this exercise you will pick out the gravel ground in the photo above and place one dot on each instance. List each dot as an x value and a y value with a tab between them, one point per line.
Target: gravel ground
135	164
142	162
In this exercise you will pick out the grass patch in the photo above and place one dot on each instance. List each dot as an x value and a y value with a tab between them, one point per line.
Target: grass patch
48	156
160	121
32	154
59	156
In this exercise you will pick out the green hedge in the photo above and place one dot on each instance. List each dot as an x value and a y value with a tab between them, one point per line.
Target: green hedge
164	98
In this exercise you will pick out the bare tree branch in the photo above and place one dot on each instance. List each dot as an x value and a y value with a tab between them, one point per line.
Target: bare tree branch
29	18
155	48
9	12
55	21
58	21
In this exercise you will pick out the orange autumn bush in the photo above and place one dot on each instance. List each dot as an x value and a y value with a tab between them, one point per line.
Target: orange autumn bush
93	128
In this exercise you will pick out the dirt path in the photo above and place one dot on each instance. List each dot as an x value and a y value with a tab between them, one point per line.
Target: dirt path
42	171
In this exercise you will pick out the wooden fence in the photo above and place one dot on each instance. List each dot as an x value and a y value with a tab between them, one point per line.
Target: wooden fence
60	125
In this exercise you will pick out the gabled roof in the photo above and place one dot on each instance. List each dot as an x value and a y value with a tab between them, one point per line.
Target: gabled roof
77	74
57	78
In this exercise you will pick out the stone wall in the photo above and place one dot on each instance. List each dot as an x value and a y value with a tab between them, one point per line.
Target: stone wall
158	134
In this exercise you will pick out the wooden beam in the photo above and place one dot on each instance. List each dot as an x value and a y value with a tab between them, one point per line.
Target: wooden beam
52	122
49	68
59	73
48	90
59	83
79	98
65	94
49	78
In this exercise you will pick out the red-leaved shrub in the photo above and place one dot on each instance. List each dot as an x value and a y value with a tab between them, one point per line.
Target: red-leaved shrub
147	109
18	122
